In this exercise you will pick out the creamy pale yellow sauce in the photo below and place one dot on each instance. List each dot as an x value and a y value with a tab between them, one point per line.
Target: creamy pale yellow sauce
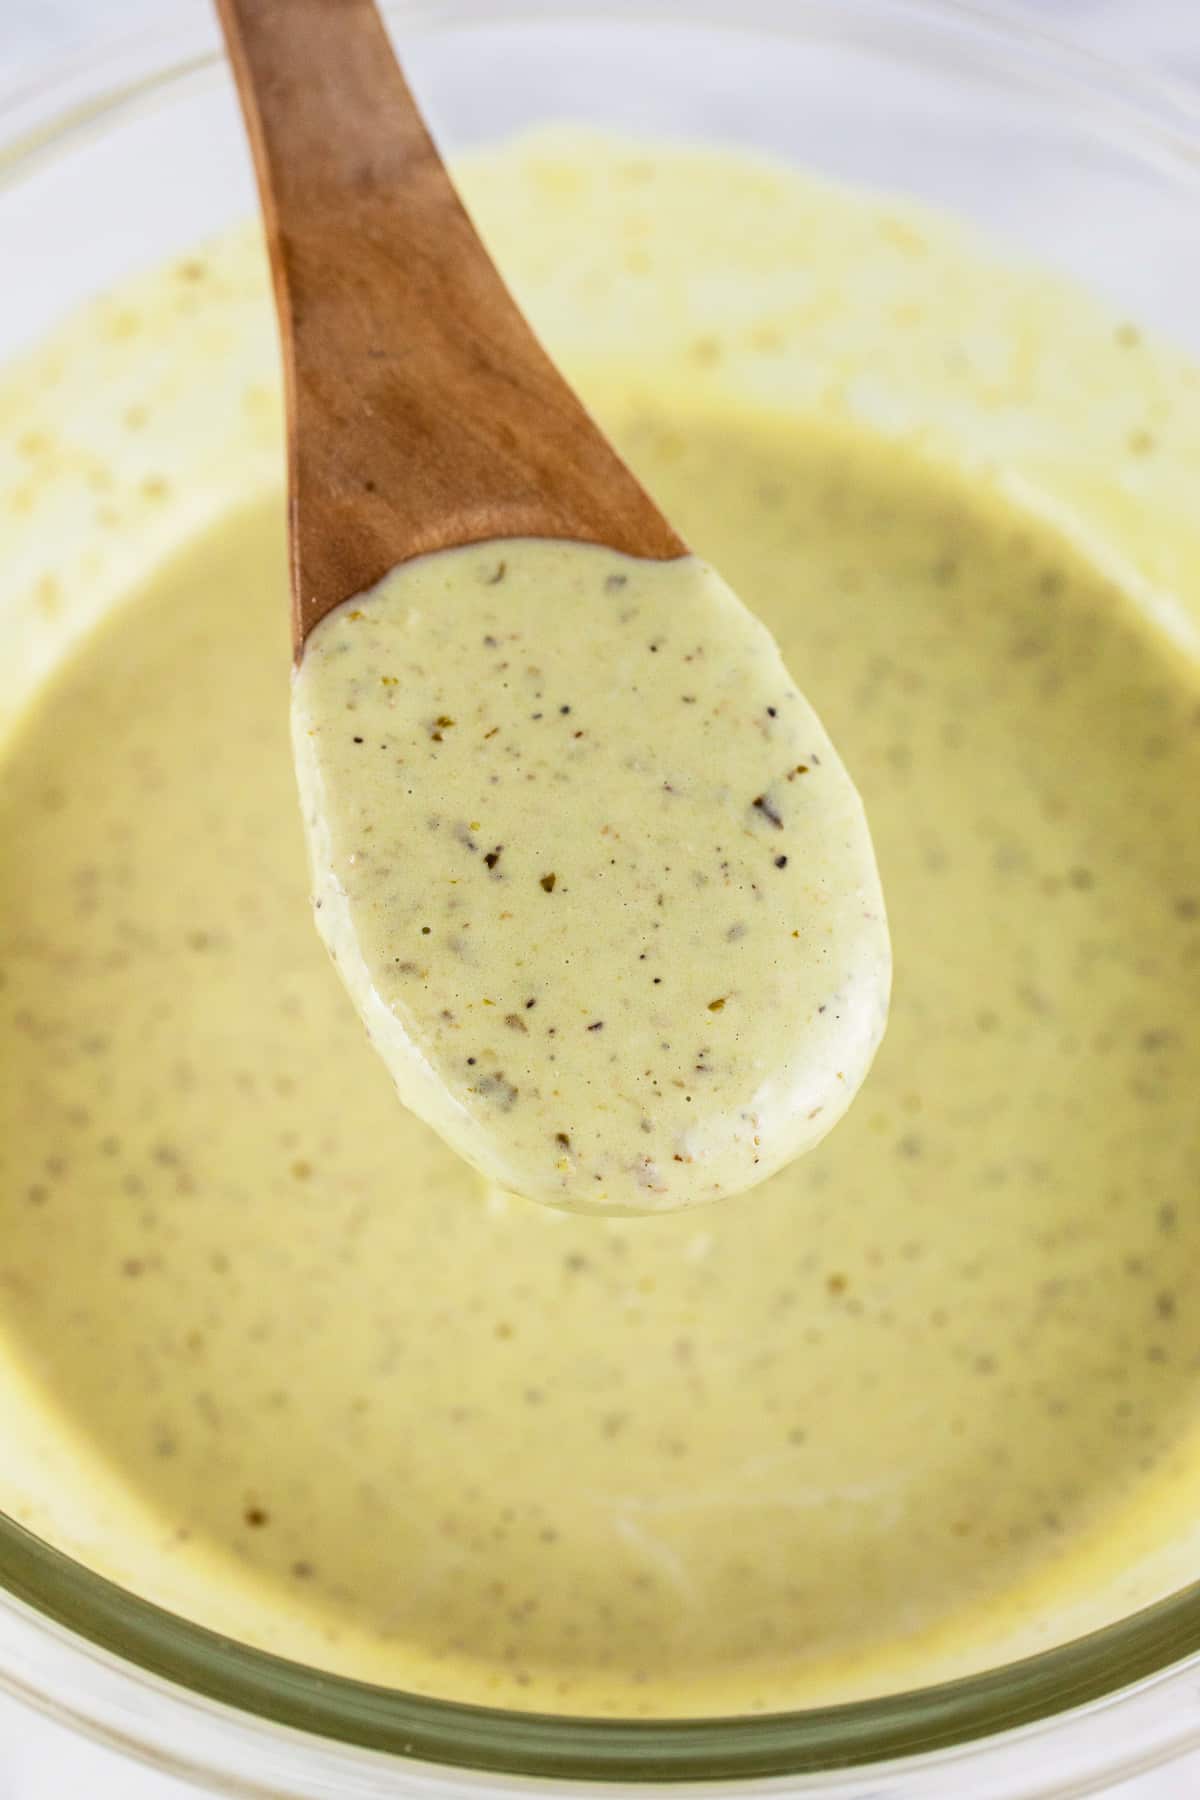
271	1353
591	870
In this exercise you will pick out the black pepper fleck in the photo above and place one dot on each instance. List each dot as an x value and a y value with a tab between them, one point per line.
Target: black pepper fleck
764	805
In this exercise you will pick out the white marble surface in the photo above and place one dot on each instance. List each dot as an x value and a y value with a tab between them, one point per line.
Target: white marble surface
40	1760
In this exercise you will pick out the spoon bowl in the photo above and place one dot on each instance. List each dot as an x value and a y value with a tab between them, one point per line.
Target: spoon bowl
589	867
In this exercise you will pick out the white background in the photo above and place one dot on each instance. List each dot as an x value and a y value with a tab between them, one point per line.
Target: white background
39	1760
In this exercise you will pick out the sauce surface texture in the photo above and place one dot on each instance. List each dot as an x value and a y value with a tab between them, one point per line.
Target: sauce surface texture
272	1354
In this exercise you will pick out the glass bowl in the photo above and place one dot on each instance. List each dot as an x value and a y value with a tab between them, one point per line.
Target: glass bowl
118	161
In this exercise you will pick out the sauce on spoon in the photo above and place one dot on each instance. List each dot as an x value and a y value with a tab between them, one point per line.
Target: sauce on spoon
591	870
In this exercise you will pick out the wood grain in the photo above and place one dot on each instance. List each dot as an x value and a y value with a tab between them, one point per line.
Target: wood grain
422	411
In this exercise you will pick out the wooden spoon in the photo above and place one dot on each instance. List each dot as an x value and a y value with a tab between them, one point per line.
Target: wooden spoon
423	413
424	416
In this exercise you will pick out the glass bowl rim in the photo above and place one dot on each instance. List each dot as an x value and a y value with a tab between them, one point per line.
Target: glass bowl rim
41	116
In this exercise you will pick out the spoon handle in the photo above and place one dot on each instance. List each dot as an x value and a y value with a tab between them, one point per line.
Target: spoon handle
422	411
